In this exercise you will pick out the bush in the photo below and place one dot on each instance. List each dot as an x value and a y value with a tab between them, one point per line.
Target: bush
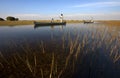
1	19
16	19
10	18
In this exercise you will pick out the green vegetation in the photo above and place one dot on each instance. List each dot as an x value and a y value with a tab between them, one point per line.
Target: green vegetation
31	22
13	23
91	55
16	19
111	22
1	19
10	18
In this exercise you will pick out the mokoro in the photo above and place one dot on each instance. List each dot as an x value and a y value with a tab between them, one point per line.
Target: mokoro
88	21
49	23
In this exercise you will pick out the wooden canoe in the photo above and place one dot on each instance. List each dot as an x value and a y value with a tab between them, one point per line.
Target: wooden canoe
49	23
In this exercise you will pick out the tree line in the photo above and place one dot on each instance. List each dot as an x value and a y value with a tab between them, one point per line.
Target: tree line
9	18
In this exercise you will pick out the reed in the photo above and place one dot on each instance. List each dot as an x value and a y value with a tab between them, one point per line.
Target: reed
42	74
42	46
78	52
52	65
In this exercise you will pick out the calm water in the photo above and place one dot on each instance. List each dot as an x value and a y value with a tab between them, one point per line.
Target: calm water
19	35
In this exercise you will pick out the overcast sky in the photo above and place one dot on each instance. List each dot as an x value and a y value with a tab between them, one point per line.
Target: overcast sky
72	9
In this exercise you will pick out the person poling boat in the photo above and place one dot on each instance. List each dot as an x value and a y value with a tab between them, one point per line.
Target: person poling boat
51	23
52	20
61	18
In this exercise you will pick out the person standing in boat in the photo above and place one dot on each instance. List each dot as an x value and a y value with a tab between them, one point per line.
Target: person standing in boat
52	20
61	18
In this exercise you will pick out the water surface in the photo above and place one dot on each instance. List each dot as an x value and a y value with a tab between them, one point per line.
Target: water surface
97	37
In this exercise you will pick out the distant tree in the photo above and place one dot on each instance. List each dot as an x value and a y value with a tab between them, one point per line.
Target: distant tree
16	19
10	18
1	19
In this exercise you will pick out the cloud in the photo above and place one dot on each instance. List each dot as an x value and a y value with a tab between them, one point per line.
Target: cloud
37	16
77	16
98	4
31	16
96	16
28	16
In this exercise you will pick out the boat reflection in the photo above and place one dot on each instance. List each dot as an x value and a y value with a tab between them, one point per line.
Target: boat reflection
52	26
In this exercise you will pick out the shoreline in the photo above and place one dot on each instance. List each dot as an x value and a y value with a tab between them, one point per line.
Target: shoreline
31	22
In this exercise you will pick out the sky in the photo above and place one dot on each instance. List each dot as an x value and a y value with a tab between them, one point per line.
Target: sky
72	9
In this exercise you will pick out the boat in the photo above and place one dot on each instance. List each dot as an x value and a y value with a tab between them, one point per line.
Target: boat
88	21
62	22
41	24
48	23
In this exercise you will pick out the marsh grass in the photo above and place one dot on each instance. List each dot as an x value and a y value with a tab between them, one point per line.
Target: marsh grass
31	22
79	55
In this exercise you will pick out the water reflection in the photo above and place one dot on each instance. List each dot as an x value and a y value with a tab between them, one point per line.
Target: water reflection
32	33
52	26
88	50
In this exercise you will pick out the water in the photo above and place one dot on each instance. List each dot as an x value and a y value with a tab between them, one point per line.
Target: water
20	34
98	37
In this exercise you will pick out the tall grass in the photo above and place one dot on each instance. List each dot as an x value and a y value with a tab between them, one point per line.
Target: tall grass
79	55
